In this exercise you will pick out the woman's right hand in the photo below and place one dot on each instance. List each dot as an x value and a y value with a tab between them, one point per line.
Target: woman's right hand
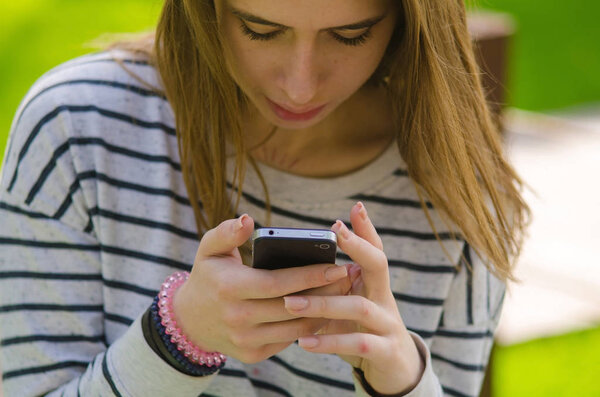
239	311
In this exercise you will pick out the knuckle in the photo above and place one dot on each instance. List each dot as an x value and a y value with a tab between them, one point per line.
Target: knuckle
233	338
208	234
364	308
222	231
234	317
221	227
363	345
381	260
223	289
320	304
314	278
240	340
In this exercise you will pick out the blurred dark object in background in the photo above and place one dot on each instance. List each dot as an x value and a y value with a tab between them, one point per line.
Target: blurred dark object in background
492	33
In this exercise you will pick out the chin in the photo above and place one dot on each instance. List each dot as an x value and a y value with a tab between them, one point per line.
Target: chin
293	125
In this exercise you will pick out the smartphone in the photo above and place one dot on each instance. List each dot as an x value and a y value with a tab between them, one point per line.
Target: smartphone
277	247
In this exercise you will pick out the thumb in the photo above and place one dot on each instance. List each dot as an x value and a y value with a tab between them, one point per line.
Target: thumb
224	239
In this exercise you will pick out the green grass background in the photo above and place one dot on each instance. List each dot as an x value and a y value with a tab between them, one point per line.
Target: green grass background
562	366
36	35
555	53
554	63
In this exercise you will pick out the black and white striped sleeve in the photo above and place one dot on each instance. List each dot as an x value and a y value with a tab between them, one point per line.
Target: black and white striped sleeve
52	286
461	345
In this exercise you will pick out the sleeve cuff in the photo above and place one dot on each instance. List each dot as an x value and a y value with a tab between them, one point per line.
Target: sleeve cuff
139	371
428	386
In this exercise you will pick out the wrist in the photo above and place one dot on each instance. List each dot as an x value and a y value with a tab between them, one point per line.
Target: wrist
177	341
360	375
183	310
169	351
410	364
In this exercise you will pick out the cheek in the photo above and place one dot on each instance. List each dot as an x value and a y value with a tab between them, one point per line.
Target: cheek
250	68
376	53
245	64
351	72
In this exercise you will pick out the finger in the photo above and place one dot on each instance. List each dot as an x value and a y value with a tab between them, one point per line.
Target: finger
251	356
249	313
352	307
340	287
226	237
362	226
255	311
260	283
281	332
368	346
373	262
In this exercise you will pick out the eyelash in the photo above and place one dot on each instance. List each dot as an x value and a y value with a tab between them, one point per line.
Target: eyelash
355	41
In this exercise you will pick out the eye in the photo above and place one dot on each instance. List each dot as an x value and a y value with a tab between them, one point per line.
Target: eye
341	36
259	36
354	40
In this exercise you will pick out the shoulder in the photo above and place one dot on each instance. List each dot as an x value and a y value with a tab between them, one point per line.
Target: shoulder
95	79
99	99
84	95
110	65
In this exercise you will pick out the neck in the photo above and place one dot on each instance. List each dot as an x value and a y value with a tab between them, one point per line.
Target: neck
352	135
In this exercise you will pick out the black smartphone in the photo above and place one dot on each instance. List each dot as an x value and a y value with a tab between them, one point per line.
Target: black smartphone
278	247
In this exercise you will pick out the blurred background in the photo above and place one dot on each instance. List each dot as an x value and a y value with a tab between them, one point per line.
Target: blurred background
542	59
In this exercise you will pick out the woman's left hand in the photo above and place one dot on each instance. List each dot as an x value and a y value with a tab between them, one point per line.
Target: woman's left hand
366	329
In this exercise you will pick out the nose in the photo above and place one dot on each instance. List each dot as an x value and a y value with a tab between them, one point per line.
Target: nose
301	75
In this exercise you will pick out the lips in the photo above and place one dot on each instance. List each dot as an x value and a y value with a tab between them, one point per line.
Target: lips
292	114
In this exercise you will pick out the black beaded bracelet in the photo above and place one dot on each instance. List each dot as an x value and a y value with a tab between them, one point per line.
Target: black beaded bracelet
190	367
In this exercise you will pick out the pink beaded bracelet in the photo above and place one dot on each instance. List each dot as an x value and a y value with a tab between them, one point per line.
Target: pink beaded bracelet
165	310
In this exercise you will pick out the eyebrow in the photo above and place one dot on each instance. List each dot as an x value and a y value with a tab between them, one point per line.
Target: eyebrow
366	23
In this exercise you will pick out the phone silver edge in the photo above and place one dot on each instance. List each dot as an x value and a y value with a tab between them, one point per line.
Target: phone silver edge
283	232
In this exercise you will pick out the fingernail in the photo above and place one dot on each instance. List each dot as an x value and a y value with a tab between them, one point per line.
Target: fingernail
362	211
343	230
308	341
240	222
336	226
340	229
335	273
295	302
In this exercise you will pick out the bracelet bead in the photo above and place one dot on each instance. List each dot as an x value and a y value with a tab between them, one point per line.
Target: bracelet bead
183	350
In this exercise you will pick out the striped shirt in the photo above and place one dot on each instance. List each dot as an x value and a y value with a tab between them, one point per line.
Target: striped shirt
94	215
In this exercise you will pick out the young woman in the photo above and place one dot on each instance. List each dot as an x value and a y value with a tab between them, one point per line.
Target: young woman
162	155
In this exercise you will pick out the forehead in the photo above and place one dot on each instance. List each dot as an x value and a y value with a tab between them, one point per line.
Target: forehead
313	14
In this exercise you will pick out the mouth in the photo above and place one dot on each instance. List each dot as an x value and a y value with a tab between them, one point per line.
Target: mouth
288	114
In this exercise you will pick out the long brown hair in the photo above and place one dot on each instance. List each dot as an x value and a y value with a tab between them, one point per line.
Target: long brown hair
444	129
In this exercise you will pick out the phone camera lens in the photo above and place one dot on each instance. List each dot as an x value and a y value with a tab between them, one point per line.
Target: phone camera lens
271	232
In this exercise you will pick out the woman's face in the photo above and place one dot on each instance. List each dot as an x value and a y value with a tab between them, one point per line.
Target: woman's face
298	60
